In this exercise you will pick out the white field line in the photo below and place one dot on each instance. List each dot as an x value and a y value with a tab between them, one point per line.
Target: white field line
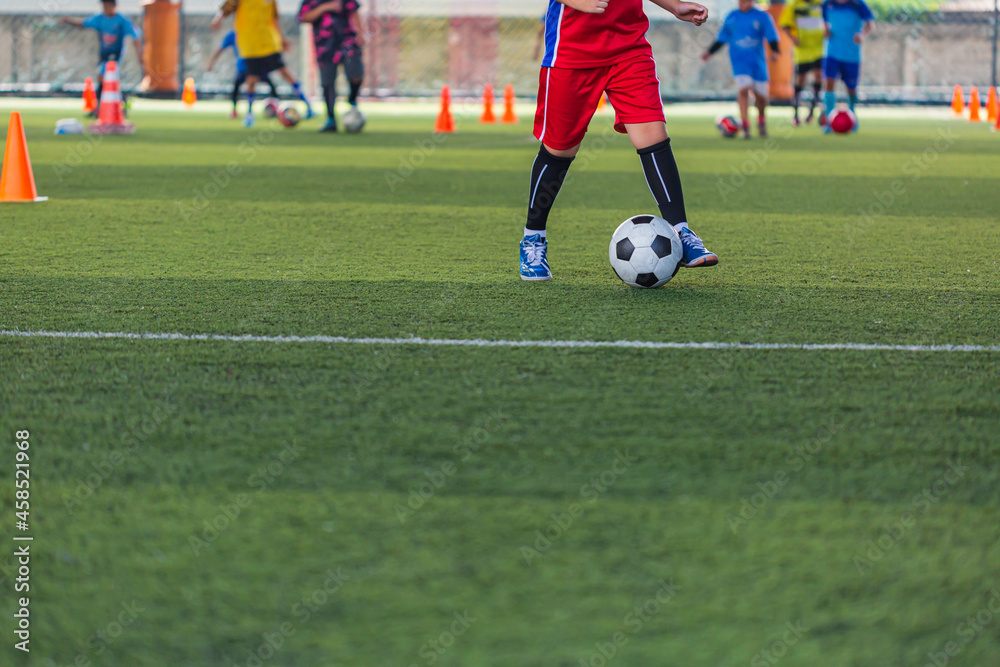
479	342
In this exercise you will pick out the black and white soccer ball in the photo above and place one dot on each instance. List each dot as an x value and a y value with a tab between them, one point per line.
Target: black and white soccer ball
354	121
645	251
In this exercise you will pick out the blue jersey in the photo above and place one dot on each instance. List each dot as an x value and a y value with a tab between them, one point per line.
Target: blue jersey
112	31
845	19
745	33
229	42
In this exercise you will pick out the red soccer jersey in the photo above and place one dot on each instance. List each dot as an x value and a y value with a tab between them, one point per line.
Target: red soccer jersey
577	40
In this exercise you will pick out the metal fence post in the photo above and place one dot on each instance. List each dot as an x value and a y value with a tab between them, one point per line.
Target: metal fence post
996	18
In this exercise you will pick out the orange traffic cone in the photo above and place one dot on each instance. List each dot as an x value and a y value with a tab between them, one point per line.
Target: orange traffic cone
974	105
508	104
996	127
89	96
110	116
603	102
488	116
445	123
991	105
17	182
189	96
958	101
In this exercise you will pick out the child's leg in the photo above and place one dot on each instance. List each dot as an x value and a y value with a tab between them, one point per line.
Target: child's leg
852	72
296	87
760	101
664	181
830	97
660	169
567	99
251	92
240	78
800	83
744	101
817	87
266	79
831	72
548	172
328	79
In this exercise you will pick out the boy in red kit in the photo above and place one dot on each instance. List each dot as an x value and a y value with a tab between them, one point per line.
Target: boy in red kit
593	46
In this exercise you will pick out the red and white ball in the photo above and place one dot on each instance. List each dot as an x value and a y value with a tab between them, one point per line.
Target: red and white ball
727	126
843	121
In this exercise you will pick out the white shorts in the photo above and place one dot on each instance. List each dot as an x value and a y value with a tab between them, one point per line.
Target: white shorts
744	81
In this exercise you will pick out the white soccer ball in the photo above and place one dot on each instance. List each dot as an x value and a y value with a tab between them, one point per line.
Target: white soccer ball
645	251
354	121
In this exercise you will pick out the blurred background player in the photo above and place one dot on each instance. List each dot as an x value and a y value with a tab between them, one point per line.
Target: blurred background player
745	30
112	29
260	41
593	47
847	23
803	21
337	42
229	42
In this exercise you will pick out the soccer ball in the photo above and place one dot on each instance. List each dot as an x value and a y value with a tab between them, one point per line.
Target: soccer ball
271	107
727	126
354	121
645	251
843	121
289	116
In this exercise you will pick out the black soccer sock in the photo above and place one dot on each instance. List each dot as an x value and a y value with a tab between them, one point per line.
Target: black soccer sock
664	181
355	89
547	175
797	100
815	100
330	97
236	90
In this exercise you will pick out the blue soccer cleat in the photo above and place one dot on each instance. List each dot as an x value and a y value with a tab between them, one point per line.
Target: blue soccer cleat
534	260
695	253
309	112
248	120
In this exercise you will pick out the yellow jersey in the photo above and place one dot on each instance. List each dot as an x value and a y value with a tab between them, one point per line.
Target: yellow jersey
805	20
256	35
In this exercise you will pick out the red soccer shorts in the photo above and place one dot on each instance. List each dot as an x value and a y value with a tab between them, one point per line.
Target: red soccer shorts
567	99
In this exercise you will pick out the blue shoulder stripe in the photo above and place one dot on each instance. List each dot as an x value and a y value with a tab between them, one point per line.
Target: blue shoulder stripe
553	19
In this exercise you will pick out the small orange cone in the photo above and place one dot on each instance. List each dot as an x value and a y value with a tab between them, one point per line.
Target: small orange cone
958	101
17	182
110	116
603	102
991	105
974	105
189	96
89	96
488	116
996	128
508	105
445	123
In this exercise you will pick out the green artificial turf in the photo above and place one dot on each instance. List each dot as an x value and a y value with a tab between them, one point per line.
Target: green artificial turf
199	492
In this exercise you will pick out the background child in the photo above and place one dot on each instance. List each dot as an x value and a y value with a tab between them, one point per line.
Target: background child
229	42
745	30
336	41
260	41
847	23
803	21
112	29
